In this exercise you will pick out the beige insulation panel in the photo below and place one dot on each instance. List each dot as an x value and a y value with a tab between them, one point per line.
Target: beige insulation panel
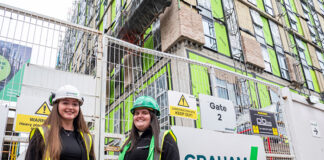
290	64
299	8
191	2
305	29
316	5
320	79
274	7
312	53
244	16
321	19
291	61
284	38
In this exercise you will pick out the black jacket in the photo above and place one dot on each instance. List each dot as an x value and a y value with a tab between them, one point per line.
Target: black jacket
36	147
170	149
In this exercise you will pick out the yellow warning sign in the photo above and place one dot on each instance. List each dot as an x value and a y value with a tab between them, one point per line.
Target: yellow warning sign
183	112
43	109
255	129
275	131
183	102
25	123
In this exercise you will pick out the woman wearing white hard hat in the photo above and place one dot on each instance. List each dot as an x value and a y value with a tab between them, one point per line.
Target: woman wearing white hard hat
64	134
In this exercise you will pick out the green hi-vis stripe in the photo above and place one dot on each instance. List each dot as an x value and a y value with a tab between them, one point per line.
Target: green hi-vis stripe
254	153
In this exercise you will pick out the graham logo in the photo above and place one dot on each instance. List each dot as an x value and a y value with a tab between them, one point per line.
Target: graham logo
253	156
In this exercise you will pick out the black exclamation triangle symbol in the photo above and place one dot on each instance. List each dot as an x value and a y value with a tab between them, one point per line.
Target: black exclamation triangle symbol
44	109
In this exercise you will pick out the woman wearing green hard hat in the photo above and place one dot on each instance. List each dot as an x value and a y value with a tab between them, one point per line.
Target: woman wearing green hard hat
146	142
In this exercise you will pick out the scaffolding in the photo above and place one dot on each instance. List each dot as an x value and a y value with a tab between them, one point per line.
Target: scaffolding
296	78
33	39
133	21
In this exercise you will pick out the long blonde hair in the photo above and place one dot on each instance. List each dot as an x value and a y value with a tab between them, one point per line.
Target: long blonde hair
53	144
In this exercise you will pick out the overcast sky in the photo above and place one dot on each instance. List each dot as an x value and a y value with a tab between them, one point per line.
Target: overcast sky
53	8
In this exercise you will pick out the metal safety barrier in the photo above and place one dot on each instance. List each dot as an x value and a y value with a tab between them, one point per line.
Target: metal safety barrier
37	55
134	71
121	72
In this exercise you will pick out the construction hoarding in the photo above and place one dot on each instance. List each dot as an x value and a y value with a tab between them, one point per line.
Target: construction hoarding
33	104
208	145
306	121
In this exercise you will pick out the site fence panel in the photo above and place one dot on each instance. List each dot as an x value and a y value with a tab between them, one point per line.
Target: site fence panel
31	40
135	71
48	53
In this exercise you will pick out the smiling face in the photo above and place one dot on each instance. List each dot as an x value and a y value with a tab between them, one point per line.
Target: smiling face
142	119
68	109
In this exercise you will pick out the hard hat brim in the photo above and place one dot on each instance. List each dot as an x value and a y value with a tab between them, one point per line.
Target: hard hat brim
157	113
79	99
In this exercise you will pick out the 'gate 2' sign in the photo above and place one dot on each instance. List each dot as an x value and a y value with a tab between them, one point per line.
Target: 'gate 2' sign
217	113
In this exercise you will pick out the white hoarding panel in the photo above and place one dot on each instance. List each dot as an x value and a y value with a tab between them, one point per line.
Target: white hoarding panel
217	113
182	105
306	121
38	83
195	144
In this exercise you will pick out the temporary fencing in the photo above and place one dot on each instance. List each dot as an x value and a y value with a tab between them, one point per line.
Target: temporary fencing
134	71
37	55
30	40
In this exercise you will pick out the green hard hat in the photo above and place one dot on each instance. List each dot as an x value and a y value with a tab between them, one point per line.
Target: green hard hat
146	102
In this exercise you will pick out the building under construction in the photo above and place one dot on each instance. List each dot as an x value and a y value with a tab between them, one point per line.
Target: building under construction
289	35
279	42
263	55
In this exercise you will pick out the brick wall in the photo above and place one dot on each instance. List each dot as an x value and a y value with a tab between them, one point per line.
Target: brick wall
177	24
252	51
295	76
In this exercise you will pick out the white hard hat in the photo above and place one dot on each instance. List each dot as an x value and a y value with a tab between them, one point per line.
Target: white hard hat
66	91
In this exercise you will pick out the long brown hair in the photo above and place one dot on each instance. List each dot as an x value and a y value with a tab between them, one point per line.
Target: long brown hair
53	144
134	136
